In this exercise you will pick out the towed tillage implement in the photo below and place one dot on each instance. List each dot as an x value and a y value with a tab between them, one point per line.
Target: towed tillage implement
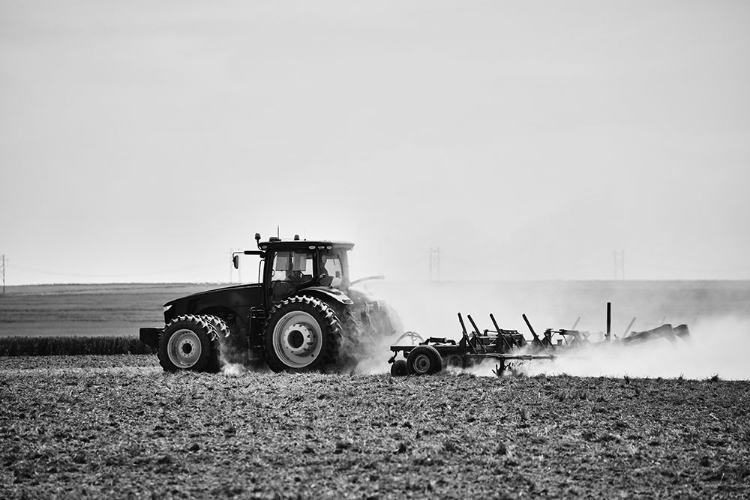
431	355
509	346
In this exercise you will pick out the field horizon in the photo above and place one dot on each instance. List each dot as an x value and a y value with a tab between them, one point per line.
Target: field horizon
625	282
430	306
717	313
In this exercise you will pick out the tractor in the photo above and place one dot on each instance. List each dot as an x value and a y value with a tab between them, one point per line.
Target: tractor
302	315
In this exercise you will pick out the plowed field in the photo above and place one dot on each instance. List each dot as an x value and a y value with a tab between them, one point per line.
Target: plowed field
117	426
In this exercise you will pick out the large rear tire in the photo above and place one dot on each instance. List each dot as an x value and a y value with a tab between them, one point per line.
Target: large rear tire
187	344
354	341
302	334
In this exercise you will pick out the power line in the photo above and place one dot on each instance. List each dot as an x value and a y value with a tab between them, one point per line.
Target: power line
34	270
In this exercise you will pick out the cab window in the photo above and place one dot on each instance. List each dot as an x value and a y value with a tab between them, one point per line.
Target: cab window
296	267
331	269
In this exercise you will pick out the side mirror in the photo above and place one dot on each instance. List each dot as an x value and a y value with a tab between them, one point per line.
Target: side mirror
236	261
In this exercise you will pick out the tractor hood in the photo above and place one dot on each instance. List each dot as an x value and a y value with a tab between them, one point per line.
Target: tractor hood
234	297
217	292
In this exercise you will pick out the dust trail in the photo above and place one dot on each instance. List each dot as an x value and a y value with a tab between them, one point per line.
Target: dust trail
374	359
232	360
716	314
235	361
234	370
717	346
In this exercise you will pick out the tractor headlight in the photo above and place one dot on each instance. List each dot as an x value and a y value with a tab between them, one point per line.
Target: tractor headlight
167	307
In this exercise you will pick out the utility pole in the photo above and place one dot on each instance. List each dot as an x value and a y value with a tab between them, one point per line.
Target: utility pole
3	269
434	262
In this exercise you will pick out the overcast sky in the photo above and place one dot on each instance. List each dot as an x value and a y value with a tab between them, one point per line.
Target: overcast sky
141	141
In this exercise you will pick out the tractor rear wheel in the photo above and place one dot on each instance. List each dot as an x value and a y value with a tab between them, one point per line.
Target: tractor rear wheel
424	360
302	334
187	344
354	344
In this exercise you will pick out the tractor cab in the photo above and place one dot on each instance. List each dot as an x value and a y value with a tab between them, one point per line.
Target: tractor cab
291	266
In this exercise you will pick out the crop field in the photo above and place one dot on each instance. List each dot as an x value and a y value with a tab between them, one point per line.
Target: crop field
86	310
652	421
118	427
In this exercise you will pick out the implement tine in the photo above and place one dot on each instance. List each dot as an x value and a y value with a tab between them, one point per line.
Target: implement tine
536	337
465	334
628	328
576	323
476	333
506	343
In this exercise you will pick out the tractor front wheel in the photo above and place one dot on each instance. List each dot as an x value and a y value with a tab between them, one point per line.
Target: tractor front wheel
186	344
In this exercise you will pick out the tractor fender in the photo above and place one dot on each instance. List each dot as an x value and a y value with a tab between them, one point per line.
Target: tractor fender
326	293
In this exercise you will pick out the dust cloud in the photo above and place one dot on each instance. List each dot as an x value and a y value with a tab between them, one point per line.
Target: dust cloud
374	357
234	369
716	314
716	347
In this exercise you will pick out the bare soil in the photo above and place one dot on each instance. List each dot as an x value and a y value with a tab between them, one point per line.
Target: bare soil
117	426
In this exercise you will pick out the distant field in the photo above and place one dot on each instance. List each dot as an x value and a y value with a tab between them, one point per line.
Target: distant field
87	310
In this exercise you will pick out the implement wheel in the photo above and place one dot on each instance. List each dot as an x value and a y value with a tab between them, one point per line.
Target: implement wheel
453	361
186	344
424	360
399	368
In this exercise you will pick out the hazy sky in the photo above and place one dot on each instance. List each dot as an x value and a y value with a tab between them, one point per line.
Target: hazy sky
141	141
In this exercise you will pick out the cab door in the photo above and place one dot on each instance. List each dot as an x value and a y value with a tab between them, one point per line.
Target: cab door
289	271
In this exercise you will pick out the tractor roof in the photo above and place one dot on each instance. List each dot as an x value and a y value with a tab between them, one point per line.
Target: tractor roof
276	244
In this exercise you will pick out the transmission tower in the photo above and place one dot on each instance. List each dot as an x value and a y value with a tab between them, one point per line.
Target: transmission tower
434	263
619	265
